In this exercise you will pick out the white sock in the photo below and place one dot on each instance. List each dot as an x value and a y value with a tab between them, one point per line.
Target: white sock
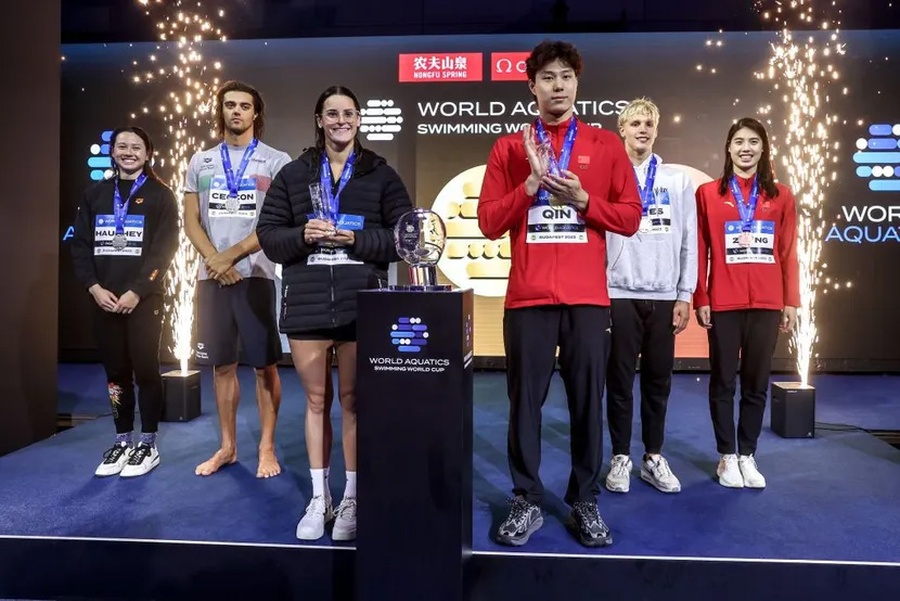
318	482
350	489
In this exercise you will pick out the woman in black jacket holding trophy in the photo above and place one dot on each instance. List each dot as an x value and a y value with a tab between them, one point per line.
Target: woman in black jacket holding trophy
328	219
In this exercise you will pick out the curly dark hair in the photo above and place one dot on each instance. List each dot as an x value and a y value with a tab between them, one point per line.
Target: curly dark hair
548	51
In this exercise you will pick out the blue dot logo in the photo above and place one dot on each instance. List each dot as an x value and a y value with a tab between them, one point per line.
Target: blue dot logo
409	334
878	157
100	161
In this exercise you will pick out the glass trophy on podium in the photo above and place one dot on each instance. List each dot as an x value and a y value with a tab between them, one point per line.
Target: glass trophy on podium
420	236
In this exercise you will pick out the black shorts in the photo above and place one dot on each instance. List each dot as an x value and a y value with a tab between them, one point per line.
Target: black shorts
243	312
344	333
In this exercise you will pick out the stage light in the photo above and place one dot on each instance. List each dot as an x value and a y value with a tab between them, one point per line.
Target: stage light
179	69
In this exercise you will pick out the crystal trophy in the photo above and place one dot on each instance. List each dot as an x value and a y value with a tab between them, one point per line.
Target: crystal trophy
419	237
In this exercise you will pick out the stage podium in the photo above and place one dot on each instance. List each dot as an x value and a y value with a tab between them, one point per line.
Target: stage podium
414	431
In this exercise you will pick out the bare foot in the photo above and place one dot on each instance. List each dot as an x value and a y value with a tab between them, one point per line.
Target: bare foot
221	458
268	464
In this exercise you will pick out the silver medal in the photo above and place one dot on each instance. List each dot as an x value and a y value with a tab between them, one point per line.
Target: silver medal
232	204
119	242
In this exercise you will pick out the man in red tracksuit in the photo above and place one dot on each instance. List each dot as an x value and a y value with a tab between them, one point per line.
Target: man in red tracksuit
557	189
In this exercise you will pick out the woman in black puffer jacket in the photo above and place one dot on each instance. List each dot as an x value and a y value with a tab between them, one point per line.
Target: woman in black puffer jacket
326	259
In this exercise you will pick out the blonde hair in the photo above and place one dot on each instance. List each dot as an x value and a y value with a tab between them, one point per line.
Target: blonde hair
639	106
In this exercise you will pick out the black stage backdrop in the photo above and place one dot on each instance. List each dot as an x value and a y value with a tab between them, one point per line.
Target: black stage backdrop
29	223
434	106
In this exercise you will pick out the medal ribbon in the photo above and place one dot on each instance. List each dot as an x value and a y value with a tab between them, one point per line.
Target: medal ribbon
647	195
120	209
749	209
333	201
232	179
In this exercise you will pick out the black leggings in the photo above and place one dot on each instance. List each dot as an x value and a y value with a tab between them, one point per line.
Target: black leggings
747	337
129	349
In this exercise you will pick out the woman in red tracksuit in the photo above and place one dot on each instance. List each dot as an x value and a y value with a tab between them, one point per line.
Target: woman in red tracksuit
747	225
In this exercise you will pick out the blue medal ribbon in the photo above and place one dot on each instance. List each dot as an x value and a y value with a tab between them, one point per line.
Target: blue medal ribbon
333	200
749	209
232	179
556	166
647	194
120	209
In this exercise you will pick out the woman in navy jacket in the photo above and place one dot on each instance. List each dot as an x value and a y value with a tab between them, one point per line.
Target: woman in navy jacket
327	256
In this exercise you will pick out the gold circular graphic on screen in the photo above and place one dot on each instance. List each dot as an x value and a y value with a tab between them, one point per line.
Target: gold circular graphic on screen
470	260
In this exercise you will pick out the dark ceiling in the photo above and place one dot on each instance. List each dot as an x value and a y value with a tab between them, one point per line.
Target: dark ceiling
125	20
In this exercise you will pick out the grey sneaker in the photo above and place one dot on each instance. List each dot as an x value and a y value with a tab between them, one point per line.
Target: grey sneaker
587	525
345	520
619	477
312	524
659	474
524	519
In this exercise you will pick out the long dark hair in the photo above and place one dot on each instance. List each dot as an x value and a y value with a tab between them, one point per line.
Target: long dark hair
148	144
764	171
259	107
320	132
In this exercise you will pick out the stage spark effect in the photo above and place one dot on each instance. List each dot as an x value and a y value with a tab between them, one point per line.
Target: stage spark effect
187	82
803	74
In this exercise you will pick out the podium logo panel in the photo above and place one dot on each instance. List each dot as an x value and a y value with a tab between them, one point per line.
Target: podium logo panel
413	348
409	334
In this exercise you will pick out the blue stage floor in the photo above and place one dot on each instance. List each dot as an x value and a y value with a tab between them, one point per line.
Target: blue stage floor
831	498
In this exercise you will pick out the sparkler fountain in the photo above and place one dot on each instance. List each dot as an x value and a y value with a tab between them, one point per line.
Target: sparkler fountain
189	84
802	73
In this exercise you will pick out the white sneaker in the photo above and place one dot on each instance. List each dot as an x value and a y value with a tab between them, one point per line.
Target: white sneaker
729	473
619	477
659	474
750	472
143	459
318	513
345	520
114	459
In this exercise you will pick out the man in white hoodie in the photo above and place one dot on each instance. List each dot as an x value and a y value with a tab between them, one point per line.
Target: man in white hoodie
651	276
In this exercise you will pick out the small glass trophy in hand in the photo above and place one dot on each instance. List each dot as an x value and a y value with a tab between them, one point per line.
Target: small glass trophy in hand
544	153
321	205
419	237
549	166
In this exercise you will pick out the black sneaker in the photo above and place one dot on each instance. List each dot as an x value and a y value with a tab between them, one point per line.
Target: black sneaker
524	519
588	526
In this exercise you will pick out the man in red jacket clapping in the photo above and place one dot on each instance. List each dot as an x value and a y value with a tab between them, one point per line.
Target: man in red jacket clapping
557	188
